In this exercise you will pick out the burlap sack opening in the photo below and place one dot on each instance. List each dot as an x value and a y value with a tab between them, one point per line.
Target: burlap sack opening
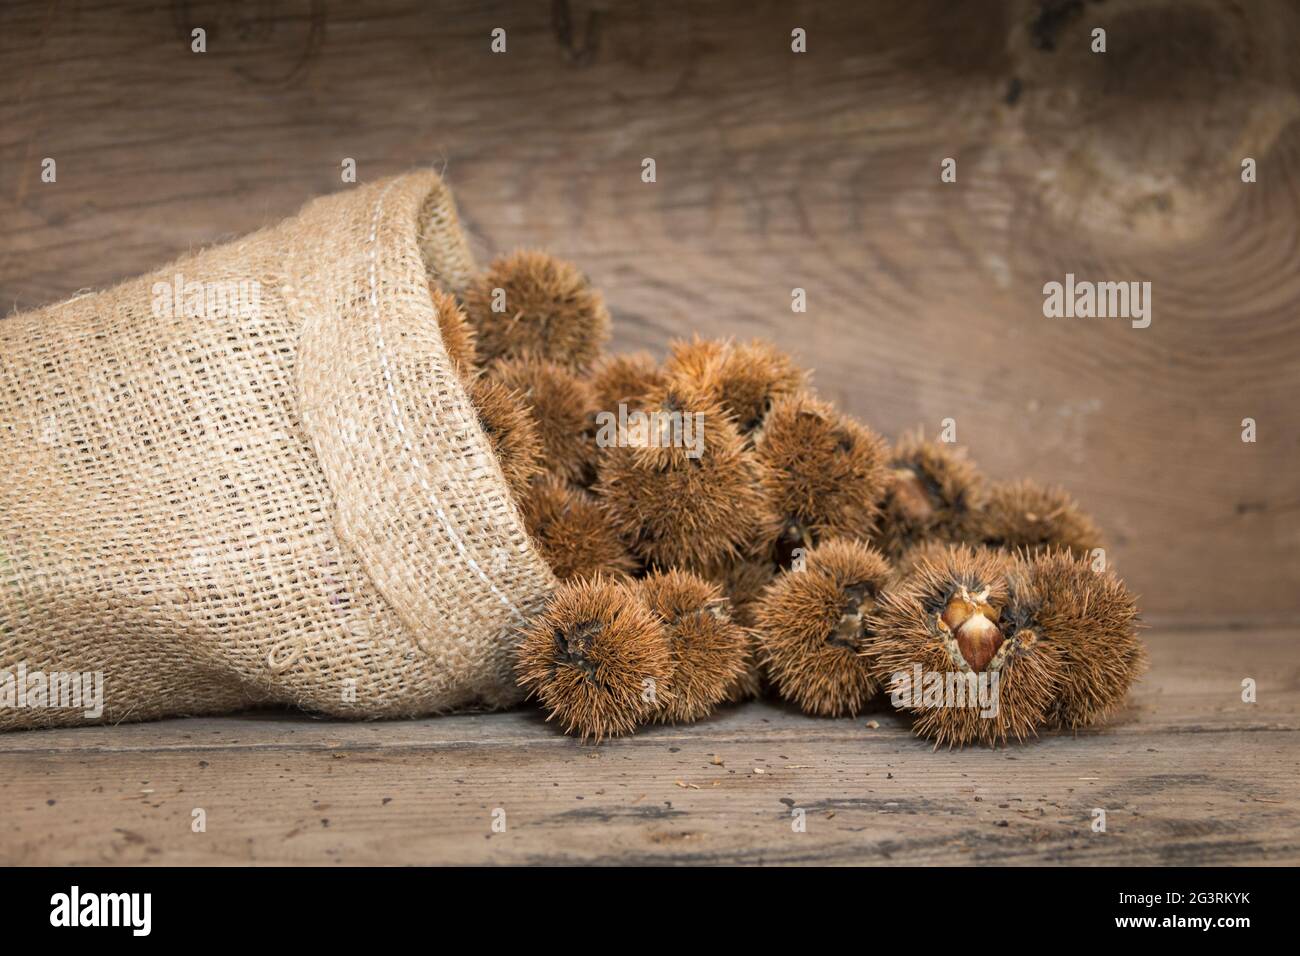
268	489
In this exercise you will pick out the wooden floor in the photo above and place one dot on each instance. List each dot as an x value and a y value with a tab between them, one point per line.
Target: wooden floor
1190	775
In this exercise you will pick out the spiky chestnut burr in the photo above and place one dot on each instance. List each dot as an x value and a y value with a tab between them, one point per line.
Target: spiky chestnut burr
825	473
708	648
932	493
562	408
811	625
572	532
596	659
752	680
1091	620
549	311
742	581
931	549
746	379
1023	514
945	628
692	504
627	379
510	429
457	333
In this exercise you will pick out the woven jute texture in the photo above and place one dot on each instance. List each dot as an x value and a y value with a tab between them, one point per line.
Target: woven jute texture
269	488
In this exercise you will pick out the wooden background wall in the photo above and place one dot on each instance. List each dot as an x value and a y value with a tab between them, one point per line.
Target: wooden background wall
775	170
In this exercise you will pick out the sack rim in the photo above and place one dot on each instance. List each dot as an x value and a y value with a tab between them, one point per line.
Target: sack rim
406	220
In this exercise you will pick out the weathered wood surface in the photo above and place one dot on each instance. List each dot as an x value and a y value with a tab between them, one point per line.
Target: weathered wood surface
1190	775
775	170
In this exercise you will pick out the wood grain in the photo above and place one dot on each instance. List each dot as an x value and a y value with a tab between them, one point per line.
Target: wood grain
775	170
1189	775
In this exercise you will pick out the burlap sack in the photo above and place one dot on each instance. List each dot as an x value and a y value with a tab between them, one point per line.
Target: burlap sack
268	489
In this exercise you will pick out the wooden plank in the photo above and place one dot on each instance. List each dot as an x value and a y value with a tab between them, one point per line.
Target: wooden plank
774	171
1189	775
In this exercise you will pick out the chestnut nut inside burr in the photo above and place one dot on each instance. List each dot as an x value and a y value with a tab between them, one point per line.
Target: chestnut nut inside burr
973	623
